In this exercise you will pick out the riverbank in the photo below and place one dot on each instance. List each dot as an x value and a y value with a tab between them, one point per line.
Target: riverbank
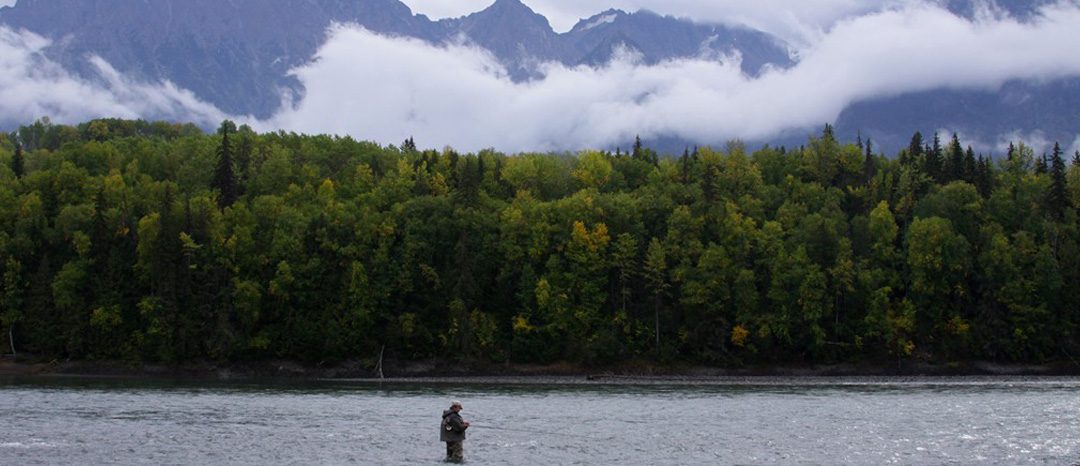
436	370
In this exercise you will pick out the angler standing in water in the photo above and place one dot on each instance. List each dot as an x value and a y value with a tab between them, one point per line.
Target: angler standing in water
452	431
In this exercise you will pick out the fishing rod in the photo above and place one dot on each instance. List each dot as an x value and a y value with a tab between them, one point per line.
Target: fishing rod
535	431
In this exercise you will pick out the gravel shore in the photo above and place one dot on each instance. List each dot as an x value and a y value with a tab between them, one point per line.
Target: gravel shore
557	374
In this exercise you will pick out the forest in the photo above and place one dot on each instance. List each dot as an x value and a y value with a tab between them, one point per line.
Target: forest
157	242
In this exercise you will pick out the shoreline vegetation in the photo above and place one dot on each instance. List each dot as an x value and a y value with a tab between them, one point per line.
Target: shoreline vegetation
177	251
476	372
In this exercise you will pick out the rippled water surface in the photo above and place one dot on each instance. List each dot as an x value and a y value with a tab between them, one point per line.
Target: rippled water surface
954	421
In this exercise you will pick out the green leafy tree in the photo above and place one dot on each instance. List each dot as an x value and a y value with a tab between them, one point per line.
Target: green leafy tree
593	170
1023	280
625	262
1072	180
939	261
655	272
11	299
114	246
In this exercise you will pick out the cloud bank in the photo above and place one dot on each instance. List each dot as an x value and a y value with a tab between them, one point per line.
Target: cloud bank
31	85
387	89
390	89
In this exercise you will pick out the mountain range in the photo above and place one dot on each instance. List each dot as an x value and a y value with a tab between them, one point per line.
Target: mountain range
237	55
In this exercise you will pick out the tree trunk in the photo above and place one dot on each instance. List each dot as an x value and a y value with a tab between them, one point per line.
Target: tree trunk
378	366
656	310
11	340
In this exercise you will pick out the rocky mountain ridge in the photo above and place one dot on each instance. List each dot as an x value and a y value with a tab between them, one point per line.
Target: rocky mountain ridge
237	55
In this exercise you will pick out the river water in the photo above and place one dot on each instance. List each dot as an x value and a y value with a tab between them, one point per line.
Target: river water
913	421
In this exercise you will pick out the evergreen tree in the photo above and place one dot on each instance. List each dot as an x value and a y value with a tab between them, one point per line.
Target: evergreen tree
1041	165
684	163
1076	159
983	177
828	134
338	245
915	147
969	165
1058	198
224	175
869	168
644	154
932	160
409	145
954	161
17	162
244	150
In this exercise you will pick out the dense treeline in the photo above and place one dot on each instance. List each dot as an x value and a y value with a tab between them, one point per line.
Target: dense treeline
156	242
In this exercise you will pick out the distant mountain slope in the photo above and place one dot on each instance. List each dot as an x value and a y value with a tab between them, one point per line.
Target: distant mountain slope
516	34
659	38
236	54
1020	109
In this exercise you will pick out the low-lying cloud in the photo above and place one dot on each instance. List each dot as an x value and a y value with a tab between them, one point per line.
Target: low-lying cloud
387	89
31	85
390	89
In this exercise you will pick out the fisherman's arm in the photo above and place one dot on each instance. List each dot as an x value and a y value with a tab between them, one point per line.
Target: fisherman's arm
459	424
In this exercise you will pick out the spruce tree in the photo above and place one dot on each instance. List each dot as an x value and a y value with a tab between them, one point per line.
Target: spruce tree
1041	165
1076	159
828	134
684	163
915	148
409	145
17	162
982	176
869	167
224	175
969	165
932	160
954	162
1058	198
244	150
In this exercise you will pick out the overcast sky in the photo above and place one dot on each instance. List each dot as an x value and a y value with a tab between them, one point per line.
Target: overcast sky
471	104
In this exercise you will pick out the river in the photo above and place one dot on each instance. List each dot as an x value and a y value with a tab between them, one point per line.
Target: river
771	421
